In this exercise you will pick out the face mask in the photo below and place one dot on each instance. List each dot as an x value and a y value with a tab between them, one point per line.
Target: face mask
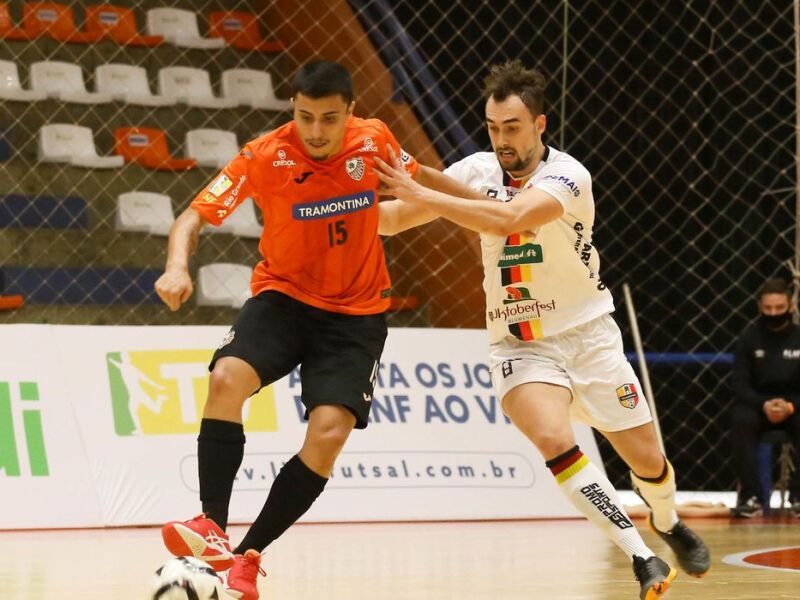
776	321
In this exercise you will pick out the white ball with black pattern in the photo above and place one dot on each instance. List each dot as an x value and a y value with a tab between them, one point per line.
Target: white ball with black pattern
186	578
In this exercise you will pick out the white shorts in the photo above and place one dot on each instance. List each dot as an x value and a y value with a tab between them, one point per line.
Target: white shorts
587	360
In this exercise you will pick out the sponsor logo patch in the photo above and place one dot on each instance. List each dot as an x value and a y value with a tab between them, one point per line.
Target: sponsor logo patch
520	305
283	161
628	395
566	182
333	206
607	508
369	146
220	186
526	254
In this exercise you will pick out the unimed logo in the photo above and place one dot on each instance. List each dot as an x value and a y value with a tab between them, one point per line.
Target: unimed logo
162	392
21	433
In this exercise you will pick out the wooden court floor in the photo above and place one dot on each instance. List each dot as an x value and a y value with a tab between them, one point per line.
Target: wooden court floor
530	560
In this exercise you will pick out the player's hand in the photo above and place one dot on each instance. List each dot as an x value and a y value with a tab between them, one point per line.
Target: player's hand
395	180
174	287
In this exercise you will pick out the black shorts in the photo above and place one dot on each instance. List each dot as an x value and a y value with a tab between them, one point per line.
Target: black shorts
338	354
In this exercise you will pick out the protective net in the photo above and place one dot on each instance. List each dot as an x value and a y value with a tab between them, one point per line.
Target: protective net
685	117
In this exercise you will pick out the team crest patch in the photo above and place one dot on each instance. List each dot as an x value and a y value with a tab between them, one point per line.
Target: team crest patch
227	339
628	395
355	167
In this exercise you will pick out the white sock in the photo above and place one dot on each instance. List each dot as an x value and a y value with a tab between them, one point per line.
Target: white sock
660	497
593	495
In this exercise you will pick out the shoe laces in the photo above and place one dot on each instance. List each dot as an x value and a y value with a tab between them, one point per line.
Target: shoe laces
251	565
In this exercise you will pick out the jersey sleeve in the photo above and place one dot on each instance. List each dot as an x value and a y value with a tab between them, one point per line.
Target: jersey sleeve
458	171
228	190
569	183
409	162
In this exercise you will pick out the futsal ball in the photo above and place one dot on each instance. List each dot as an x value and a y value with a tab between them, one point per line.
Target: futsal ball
185	578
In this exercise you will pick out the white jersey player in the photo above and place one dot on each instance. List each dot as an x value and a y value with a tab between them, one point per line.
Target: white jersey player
556	352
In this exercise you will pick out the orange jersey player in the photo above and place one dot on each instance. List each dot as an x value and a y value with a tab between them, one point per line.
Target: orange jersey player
320	241
319	298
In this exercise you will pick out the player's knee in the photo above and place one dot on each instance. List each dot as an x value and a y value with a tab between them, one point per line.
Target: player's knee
649	463
330	435
552	443
226	384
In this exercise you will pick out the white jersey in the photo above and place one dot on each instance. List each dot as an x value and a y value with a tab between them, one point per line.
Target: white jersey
541	283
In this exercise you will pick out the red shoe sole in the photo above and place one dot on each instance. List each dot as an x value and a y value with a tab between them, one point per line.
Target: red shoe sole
182	541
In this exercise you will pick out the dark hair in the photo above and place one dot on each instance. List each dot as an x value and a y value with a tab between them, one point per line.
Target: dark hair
513	79
775	286
323	78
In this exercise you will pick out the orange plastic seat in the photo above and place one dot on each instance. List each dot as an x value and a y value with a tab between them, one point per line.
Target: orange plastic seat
240	30
148	147
54	20
119	25
11	302
7	29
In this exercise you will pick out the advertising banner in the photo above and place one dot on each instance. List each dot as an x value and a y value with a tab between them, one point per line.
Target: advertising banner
105	419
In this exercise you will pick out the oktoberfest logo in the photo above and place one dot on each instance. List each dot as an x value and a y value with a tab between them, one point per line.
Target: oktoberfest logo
355	168
628	395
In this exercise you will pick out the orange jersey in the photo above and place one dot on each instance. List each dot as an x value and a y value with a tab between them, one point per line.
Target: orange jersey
320	242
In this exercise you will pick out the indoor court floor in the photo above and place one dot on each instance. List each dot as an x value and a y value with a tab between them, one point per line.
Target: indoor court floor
530	560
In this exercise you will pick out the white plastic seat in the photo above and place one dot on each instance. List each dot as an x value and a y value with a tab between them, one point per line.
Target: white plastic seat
10	87
144	211
211	147
241	222
73	144
190	85
64	81
128	84
223	284
252	88
179	27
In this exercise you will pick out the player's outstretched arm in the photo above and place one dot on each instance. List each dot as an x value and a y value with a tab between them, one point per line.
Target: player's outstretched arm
175	287
397	216
529	210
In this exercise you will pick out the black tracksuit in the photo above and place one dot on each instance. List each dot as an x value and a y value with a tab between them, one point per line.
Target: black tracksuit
766	366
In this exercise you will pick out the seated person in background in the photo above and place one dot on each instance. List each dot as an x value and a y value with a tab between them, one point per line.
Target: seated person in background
766	383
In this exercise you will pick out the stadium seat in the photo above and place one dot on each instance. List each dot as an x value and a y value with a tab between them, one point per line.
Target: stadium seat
241	31
242	222
148	147
179	27
223	284
73	144
249	87
144	211
118	24
128	83
43	212
64	81
11	302
10	87
211	147
7	29
191	86
54	20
